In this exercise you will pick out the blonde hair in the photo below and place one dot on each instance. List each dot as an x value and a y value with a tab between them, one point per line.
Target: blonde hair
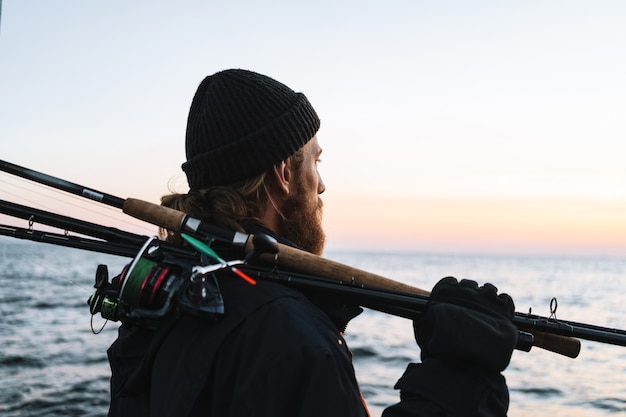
226	205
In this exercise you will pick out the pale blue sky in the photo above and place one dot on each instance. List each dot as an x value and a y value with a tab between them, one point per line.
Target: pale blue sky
419	100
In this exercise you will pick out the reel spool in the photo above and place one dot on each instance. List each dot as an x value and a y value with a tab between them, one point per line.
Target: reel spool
142	283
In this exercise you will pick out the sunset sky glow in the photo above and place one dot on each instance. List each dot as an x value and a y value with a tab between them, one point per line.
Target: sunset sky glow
450	126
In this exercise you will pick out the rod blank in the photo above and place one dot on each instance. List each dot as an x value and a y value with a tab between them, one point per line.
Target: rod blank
60	184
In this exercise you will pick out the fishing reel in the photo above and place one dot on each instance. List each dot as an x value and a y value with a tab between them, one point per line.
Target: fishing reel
156	284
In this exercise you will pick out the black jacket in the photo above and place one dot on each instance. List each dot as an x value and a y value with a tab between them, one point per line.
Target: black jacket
239	365
275	352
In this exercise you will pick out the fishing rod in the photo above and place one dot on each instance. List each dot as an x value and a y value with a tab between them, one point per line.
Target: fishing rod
108	240
76	242
410	306
153	292
189	224
556	336
61	184
33	215
182	223
399	303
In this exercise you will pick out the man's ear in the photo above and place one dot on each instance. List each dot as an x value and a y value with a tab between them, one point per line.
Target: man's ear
282	176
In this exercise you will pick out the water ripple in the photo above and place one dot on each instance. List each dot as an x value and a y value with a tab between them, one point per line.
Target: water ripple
539	392
52	365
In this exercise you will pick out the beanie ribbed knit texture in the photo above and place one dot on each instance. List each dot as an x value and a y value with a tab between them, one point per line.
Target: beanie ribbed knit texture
242	123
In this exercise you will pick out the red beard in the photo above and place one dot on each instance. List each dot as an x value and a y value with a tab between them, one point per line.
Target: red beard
302	223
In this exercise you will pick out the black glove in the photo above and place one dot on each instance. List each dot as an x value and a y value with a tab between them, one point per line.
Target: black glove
467	325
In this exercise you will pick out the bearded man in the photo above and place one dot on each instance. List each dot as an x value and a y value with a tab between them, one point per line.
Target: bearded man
252	155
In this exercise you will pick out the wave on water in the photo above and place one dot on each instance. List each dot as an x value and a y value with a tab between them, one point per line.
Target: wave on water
51	363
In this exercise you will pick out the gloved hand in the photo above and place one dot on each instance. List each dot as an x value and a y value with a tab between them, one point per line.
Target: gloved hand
467	325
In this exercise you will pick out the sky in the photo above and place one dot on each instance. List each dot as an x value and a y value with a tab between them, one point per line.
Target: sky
447	126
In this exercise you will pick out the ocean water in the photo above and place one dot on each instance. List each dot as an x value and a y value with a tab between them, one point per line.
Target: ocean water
51	363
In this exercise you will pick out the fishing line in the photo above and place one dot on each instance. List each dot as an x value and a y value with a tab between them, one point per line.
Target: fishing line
32	260
87	290
33	254
84	204
94	331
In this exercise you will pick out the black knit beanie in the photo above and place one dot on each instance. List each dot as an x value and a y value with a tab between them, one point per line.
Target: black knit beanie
241	124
